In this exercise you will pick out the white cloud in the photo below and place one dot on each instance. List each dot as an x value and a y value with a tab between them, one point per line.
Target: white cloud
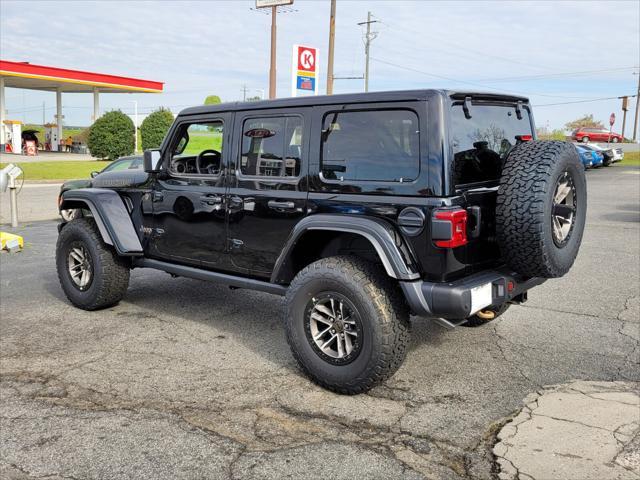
198	48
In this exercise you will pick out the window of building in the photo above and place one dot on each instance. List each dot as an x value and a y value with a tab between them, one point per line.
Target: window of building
271	147
374	145
199	149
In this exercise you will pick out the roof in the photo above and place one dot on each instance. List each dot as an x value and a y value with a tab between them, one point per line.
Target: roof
40	77
369	97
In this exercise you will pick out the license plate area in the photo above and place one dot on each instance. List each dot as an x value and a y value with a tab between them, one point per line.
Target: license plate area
481	297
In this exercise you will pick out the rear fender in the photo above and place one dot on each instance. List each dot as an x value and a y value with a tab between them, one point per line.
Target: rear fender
111	217
388	244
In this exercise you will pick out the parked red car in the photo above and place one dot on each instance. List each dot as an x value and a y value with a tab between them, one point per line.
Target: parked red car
595	135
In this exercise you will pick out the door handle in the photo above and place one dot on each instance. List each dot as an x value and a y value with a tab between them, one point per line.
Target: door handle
211	199
281	205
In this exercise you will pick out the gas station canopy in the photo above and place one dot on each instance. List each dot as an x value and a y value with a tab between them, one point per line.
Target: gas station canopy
62	80
39	77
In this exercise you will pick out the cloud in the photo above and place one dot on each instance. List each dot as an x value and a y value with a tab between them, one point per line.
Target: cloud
200	48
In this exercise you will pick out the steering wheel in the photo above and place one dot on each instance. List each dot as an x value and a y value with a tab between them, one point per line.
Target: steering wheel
200	157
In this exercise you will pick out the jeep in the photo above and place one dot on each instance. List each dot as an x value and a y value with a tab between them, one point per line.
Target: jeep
360	209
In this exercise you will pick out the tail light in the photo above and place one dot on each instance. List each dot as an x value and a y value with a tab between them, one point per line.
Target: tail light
524	138
449	228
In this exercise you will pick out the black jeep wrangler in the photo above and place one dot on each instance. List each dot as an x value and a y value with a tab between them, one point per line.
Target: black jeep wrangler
360	209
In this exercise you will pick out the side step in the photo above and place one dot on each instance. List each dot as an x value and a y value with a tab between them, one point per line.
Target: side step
206	275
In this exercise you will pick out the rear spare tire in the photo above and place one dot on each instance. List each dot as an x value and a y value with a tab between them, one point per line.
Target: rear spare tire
541	208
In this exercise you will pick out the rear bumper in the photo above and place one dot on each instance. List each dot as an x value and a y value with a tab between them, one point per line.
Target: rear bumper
462	298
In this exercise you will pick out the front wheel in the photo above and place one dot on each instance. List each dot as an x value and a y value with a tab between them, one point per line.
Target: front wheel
585	139
614	140
91	273
347	324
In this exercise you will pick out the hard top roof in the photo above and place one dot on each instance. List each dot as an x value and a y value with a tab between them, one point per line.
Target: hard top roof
348	98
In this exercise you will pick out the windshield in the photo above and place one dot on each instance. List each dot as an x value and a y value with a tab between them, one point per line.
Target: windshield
481	143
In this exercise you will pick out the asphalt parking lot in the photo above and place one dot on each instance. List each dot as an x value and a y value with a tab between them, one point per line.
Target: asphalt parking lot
185	379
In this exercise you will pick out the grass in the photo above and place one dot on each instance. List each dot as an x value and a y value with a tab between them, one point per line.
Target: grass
631	159
60	170
199	141
66	132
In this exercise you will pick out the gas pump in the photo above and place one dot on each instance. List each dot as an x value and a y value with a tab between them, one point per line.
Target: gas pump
52	142
13	136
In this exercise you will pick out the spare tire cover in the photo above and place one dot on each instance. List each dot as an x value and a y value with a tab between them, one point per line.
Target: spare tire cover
541	208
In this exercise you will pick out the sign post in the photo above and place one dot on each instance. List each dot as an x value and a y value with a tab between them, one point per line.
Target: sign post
304	71
273	4
612	120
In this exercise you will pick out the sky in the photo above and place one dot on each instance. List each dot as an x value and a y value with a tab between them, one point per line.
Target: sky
565	56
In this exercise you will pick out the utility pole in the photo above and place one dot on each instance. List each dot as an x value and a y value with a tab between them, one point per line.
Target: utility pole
635	123
332	37
368	39
272	68
244	93
43	116
625	107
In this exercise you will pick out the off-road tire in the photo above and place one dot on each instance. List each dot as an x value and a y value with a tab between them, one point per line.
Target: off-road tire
524	204
110	272
381	307
476	321
71	214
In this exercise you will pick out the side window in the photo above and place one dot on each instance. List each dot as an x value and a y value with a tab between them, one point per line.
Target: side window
271	147
374	145
198	150
118	165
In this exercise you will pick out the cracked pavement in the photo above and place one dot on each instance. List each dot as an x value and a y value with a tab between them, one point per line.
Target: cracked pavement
185	379
583	430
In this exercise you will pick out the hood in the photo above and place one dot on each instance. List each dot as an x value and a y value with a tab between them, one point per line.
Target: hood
75	184
120	179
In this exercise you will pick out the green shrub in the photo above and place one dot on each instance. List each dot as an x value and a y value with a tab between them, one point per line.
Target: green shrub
111	136
212	100
155	127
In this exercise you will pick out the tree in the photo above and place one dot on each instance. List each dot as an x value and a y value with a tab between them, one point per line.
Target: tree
586	121
212	100
111	136
155	127
257	98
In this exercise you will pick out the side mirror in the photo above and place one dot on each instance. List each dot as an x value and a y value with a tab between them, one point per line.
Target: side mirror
94	173
152	161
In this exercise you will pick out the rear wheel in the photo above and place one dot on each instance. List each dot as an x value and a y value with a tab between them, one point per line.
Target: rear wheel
347	324
541	208
91	273
614	140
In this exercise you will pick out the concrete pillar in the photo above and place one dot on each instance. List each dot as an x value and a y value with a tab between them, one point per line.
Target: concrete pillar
58	119
96	105
2	109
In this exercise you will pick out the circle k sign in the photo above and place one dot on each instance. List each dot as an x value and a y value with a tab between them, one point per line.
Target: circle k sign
307	59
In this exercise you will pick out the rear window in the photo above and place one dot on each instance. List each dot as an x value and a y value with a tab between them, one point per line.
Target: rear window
372	145
481	143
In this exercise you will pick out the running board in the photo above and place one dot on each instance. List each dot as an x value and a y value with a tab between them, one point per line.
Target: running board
209	276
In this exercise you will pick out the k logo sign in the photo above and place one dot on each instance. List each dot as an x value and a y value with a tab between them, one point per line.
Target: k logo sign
304	71
306	59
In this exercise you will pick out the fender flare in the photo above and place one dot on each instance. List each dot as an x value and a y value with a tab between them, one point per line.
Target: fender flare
111	217
393	252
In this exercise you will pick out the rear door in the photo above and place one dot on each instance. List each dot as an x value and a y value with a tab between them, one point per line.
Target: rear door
267	180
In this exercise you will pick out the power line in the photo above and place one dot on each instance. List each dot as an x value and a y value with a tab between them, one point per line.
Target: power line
475	84
581	101
563	74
